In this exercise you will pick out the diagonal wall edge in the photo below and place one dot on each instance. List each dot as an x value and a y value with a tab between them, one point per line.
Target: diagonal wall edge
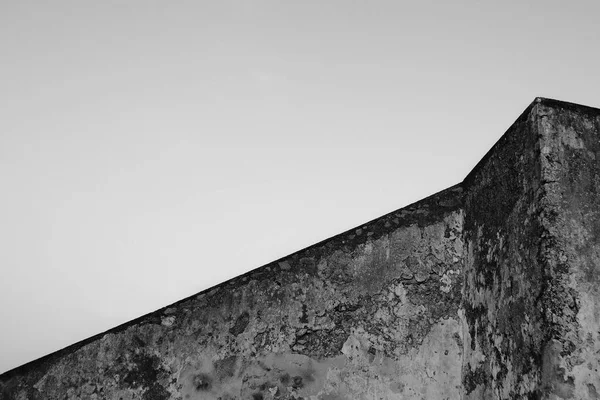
504	330
485	290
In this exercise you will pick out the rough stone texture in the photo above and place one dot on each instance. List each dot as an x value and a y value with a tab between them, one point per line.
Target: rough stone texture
372	313
531	291
570	165
487	290
504	279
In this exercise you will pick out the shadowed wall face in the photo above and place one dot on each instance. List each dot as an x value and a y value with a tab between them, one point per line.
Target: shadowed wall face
372	313
504	337
532	303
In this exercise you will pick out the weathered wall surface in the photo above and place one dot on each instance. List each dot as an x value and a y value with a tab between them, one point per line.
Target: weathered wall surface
532	237
372	313
487	290
504	325
570	137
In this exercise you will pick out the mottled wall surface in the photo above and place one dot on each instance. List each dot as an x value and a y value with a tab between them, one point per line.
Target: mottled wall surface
532	251
503	283
372	313
571	171
487	290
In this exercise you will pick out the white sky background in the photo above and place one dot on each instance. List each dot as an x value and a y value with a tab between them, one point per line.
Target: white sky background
150	150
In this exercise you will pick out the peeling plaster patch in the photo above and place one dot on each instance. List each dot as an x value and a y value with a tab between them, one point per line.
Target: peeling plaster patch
570	138
168	321
284	265
429	371
446	280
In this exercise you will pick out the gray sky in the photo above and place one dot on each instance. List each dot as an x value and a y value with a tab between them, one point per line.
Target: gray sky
150	149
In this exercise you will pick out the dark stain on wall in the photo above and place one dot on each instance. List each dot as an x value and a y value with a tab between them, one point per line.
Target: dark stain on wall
202	382
240	324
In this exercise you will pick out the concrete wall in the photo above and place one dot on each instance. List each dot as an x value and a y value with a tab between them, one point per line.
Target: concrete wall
487	290
570	137
532	250
372	313
503	335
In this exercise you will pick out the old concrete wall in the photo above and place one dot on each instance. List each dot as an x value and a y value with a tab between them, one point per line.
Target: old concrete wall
504	327
570	136
487	290
532	251
372	313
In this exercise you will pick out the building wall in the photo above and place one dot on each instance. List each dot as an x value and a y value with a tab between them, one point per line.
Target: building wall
532	280
372	313
504	325
571	172
487	290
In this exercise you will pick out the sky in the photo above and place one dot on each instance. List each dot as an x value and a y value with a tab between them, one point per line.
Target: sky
152	149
